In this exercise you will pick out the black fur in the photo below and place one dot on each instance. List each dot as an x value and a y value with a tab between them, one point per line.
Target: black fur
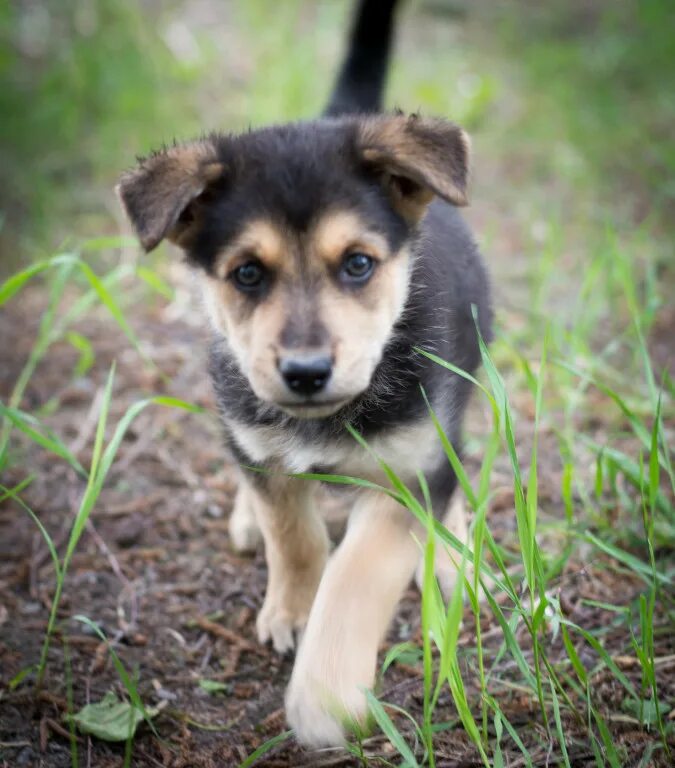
290	174
361	80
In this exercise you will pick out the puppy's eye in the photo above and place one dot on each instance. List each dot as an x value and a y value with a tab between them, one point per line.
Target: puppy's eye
357	267
249	276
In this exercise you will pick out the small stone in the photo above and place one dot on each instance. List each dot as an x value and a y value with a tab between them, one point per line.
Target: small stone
128	532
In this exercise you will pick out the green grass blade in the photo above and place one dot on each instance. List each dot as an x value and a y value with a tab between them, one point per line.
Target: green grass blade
462	373
86	350
10	493
108	243
389	730
125	678
101	425
607	740
405	648
452	455
84	303
101	466
577	664
151	278
639	567
606	658
263	749
13	494
513	733
16	282
30	426
559	727
630	469
342	480
41	345
109	302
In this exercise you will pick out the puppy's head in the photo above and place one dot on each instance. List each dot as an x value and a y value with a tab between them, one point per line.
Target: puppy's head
303	233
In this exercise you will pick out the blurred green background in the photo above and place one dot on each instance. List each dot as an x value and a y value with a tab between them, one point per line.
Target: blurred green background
571	104
571	109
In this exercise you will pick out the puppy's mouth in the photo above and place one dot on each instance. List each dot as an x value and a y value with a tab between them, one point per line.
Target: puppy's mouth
312	409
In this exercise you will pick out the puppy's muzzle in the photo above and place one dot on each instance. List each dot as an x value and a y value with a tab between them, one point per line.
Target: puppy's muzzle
306	375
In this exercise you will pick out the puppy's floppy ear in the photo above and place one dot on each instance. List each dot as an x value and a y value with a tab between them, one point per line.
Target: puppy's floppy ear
158	193
418	157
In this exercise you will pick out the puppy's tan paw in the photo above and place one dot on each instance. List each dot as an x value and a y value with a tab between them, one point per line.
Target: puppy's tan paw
445	569
280	624
320	714
244	534
447	560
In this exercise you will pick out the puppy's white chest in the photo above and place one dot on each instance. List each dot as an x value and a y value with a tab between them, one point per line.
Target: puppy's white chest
405	449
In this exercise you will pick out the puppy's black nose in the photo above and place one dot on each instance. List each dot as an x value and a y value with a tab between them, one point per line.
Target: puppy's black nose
306	375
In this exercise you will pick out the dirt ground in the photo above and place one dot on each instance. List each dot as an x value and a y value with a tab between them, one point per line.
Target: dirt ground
156	571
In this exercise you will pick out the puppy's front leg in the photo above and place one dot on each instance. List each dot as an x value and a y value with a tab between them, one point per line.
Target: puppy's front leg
296	549
359	591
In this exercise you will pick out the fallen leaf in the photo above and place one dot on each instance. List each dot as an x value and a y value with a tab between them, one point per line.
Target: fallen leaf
109	719
213	686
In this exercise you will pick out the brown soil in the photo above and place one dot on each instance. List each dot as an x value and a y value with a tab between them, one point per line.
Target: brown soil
155	570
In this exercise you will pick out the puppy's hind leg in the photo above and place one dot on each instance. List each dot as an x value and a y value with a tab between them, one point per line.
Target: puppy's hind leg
447	559
244	530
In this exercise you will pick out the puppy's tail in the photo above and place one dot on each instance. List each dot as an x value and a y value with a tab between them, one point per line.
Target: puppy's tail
360	84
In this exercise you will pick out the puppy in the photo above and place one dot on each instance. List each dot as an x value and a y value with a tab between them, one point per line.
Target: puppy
328	251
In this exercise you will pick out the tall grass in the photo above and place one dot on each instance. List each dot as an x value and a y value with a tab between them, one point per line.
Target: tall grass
54	326
559	682
535	607
516	588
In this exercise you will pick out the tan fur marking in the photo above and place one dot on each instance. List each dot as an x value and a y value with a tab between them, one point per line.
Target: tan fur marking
197	159
359	591
261	239
339	231
361	324
250	333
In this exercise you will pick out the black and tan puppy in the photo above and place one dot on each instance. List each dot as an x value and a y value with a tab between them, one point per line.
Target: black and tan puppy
328	250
